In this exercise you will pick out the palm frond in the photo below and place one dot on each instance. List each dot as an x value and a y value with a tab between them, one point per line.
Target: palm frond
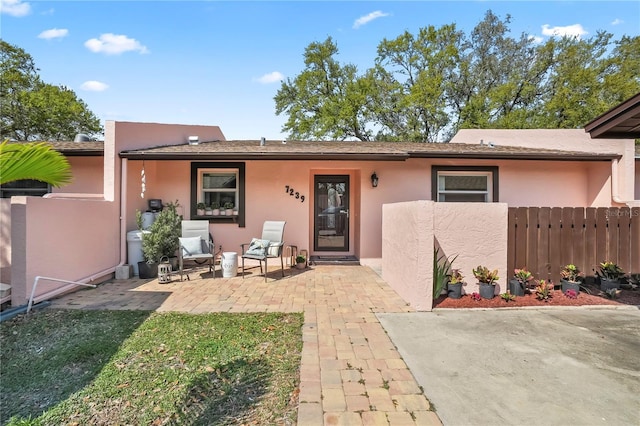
37	161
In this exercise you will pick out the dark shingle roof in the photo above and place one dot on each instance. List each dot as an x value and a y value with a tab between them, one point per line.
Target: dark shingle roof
620	122
78	149
320	150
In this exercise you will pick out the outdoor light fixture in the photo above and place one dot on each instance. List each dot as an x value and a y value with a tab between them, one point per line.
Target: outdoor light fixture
374	180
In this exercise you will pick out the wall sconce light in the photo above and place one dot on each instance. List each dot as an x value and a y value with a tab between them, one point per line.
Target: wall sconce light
374	180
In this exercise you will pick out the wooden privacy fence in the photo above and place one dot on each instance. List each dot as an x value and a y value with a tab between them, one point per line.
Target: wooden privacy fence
544	239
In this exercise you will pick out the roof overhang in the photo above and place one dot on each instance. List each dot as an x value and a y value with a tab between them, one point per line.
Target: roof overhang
351	151
235	156
570	156
620	122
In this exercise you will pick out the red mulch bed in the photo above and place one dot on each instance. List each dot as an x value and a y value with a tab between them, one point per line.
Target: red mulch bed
626	297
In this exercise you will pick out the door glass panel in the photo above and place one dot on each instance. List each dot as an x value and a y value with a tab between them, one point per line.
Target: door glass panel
331	213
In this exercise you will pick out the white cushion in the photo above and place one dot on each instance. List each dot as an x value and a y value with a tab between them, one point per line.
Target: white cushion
258	247
191	245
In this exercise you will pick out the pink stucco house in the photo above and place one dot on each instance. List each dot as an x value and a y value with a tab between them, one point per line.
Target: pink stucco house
355	200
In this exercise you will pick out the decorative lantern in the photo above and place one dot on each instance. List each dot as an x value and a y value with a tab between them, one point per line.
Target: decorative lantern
164	270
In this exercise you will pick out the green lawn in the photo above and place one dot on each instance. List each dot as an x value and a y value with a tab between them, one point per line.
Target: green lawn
136	367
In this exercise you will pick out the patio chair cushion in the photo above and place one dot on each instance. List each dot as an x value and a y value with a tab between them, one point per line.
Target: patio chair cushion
191	245
257	247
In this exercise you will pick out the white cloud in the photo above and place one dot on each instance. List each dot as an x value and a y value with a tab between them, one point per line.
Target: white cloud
536	39
368	18
114	44
272	77
53	33
617	21
15	8
574	30
94	86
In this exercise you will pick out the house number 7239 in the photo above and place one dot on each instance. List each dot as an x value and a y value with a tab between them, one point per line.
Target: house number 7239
292	192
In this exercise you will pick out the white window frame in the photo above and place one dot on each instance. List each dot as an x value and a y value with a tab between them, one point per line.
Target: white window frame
488	192
224	171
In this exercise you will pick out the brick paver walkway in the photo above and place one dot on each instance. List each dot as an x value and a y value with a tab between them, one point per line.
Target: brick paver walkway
350	374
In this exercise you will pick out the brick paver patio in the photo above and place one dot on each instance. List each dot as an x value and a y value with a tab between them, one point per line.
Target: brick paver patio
350	374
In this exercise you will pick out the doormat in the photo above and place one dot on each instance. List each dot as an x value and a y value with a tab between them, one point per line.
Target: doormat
334	260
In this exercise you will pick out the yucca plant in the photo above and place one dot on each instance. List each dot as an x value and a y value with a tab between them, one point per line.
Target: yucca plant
441	272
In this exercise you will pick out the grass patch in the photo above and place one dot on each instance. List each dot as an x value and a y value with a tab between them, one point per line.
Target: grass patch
135	367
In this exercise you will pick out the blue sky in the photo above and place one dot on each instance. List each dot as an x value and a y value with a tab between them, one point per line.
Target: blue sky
221	62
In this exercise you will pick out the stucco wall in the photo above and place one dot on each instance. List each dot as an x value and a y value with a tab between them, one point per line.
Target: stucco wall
407	251
266	198
475	233
522	183
564	139
74	239
68	239
87	175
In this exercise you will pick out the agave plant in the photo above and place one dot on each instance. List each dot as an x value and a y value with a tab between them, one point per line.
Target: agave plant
441	271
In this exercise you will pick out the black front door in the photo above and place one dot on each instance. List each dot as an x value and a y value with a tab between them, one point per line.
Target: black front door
331	218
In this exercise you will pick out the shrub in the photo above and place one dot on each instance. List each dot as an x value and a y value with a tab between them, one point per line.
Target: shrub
162	238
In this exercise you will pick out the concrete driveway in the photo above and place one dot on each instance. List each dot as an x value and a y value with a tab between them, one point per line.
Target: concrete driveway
554	366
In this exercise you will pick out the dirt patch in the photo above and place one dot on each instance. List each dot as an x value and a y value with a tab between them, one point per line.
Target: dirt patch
597	297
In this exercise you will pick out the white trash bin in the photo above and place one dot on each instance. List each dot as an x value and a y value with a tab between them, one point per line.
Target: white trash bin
134	249
229	263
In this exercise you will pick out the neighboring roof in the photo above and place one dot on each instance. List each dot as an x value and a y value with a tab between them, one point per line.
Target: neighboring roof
620	122
75	149
370	151
84	149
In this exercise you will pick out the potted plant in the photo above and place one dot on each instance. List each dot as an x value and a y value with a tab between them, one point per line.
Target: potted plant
543	290
208	209
148	268
570	278
228	209
520	281
201	208
301	261
486	281
456	281
609	274
215	208
162	240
